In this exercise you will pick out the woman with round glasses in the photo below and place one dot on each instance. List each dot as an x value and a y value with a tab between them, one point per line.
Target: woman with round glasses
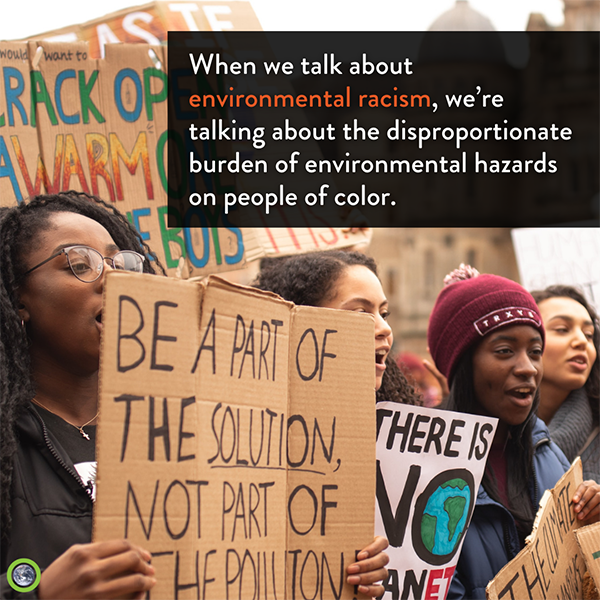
87	264
53	252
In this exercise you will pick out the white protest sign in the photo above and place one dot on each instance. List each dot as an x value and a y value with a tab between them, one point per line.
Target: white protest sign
429	466
559	255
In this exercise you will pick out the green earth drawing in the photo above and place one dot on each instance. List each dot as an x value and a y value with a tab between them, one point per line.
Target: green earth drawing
444	517
441	515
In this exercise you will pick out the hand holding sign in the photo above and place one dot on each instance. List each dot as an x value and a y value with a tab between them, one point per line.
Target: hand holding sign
370	568
429	466
224	415
550	565
113	569
587	502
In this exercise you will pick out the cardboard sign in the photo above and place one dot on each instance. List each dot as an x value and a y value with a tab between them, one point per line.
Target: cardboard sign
588	540
283	241
429	466
551	564
149	23
236	438
68	121
99	126
567	256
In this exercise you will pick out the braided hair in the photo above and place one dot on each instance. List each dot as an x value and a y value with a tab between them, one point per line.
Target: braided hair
310	279
19	228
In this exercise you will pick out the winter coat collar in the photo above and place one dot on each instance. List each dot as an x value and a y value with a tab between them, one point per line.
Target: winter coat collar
539	436
572	423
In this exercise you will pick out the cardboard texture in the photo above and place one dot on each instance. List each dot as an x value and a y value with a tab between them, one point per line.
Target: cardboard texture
429	466
588	540
68	121
236	438
149	23
551	565
559	255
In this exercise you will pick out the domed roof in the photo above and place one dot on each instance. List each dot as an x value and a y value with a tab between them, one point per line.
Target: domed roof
481	43
461	17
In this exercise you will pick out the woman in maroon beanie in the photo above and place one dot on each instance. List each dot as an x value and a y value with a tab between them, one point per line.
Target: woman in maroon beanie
486	336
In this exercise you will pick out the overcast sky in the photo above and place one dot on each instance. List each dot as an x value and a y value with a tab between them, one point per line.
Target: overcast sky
22	18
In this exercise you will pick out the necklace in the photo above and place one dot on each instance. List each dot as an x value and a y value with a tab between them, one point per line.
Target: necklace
79	427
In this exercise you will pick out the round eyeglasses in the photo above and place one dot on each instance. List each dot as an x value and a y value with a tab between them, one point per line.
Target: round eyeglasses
87	263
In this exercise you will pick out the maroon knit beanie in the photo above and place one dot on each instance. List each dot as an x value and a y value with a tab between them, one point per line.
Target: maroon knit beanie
469	307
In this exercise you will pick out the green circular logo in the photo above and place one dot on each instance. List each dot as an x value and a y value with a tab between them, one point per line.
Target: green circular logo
23	575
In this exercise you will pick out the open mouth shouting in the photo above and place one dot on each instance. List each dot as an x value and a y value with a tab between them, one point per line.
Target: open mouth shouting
522	395
380	356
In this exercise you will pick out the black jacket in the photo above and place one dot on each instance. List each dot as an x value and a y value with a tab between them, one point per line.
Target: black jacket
50	507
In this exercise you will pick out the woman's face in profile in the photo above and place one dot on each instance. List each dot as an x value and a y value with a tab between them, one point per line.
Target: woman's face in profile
507	370
570	352
63	315
358	289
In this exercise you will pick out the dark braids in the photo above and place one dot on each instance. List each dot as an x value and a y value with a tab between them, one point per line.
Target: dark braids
19	228
309	279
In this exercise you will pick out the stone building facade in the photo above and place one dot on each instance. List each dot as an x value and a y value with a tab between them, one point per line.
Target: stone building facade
414	261
579	15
